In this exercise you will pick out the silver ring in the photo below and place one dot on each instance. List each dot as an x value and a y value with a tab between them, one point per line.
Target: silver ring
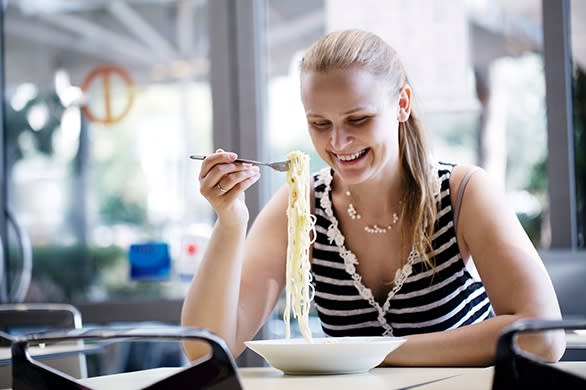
222	189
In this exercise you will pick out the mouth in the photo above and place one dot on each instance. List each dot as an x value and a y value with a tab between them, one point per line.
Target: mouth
350	157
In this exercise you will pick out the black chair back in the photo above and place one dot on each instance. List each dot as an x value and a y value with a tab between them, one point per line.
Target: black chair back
217	372
515	369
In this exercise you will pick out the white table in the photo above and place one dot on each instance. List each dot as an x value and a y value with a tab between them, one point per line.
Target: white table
576	339
265	378
482	379
375	379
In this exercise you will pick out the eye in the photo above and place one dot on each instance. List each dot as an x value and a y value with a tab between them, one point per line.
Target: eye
320	124
358	120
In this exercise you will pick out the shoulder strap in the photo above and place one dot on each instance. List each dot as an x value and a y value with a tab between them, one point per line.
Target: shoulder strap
460	194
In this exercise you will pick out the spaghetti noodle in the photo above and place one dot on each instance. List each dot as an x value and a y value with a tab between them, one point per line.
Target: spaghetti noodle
301	233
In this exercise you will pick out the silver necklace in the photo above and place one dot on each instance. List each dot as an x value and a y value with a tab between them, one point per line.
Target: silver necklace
372	229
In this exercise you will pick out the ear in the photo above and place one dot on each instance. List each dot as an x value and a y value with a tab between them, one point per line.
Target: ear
404	104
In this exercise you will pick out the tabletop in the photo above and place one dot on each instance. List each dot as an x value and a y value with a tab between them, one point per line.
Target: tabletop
261	378
264	378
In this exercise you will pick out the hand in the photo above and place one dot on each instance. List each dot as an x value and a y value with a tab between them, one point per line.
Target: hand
223	182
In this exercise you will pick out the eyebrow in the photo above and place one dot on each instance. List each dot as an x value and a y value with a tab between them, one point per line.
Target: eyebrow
350	111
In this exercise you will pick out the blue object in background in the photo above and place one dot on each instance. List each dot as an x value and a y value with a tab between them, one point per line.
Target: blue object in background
149	261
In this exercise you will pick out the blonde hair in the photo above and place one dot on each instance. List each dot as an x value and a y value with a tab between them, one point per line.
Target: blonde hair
347	48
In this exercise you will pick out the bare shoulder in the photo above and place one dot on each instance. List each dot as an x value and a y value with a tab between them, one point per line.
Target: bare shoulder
470	172
478	184
478	192
479	203
487	219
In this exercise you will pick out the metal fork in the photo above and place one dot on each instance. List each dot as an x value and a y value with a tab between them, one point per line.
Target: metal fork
281	166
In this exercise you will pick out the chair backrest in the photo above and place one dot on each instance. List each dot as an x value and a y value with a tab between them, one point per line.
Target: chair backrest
567	270
23	318
215	371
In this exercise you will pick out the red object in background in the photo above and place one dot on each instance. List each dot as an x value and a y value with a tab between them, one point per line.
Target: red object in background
191	249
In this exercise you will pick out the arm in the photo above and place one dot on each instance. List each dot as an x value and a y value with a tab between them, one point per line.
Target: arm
513	274
240	278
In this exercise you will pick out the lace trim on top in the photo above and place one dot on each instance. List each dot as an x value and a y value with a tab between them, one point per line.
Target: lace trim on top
350	261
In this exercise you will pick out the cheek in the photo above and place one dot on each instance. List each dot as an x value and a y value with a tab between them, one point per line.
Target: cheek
387	130
318	143
320	140
317	137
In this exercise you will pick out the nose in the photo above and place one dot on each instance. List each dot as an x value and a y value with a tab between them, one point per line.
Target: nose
340	137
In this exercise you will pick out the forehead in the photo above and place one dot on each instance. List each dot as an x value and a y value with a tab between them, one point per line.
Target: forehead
341	89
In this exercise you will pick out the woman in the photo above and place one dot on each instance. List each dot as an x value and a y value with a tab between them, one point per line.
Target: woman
398	235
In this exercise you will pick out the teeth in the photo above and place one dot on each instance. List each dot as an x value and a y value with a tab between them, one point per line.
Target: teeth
350	157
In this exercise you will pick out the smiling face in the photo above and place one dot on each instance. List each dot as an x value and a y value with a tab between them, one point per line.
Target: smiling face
353	121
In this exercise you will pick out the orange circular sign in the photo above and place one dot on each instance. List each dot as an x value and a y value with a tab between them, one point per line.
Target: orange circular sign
107	75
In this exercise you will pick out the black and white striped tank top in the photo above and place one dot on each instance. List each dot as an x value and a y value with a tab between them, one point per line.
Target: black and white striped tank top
422	300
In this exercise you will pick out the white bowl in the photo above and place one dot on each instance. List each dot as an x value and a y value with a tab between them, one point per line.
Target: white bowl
329	355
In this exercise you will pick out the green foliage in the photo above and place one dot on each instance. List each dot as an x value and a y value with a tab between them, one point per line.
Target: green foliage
115	209
538	178
17	123
73	268
144	289
532	226
537	185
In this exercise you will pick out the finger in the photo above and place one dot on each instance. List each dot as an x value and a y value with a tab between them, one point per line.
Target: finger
227	173
244	185
221	189
239	189
235	179
212	160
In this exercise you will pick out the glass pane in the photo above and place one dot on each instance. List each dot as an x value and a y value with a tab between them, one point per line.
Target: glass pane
578	42
464	86
292	27
105	101
480	93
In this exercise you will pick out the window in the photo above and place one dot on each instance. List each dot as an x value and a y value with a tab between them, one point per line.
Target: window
104	102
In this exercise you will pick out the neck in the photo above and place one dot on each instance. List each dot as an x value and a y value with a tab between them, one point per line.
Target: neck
376	211
386	194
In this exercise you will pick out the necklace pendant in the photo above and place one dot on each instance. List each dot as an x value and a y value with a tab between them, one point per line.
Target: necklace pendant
352	212
375	229
395	218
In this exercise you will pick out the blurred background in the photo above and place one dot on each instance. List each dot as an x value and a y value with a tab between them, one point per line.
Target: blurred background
103	101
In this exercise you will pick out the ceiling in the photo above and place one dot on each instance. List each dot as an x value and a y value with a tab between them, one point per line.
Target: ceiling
166	39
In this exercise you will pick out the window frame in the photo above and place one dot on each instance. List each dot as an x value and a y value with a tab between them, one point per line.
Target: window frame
560	130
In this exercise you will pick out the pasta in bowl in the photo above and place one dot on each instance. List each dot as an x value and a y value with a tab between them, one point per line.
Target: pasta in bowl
327	355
